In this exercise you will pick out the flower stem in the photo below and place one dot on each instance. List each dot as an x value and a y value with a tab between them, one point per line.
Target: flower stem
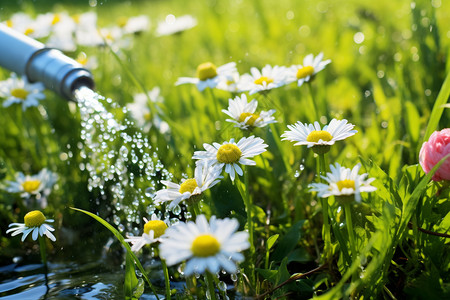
326	230
166	278
312	102
210	284
348	219
214	100
43	250
244	191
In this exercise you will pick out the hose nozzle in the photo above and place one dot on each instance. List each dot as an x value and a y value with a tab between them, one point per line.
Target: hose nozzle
28	57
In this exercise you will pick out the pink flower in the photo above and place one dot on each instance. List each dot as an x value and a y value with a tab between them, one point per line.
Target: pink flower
433	151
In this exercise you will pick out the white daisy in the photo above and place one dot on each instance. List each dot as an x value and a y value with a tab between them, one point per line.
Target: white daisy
243	113
208	75
19	90
172	25
344	183
262	81
35	223
22	23
206	176
137	24
313	136
206	246
32	185
140	111
86	31
230	82
153	230
311	66
229	154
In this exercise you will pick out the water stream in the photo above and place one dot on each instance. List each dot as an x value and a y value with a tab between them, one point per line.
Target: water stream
124	171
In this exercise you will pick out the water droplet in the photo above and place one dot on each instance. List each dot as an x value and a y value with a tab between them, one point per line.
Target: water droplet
222	286
176	210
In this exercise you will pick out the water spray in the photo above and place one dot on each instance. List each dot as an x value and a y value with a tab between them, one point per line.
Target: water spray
26	56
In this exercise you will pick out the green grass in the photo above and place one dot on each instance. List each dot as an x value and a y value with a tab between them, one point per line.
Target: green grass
388	86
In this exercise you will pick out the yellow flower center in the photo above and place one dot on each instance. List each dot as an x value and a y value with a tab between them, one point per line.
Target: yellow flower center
158	227
317	135
205	245
305	72
346	183
76	18
122	21
188	185
206	70
28	31
34	218
19	93
82	58
263	79
147	116
56	19
30	186
251	120
9	23
228	153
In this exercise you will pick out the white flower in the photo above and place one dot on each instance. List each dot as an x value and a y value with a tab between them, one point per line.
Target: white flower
32	185
153	230
229	82
205	177
243	113
311	66
172	25
24	24
141	113
206	246
137	24
86	32
208	75
344	182
261	81
19	90
312	135
35	223
229	154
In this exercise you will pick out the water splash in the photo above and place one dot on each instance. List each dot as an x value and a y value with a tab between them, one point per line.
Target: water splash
122	166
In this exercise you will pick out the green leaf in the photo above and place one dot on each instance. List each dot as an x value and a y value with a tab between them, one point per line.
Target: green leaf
271	240
412	117
125	244
131	280
288	241
410	203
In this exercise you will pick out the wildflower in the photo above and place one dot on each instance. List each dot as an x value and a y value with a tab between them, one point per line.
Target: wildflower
35	222
208	75
437	147
136	25
22	23
19	90
86	31
230	82
153	230
32	185
311	66
172	25
343	183
262	81
141	113
320	139
205	177
206	246
229	154
243	113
